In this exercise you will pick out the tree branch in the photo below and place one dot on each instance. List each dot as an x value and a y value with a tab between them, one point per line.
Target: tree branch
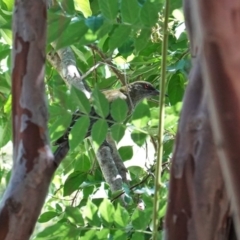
65	63
109	169
117	159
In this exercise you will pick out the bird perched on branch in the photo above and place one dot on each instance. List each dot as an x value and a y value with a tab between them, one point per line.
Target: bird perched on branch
132	93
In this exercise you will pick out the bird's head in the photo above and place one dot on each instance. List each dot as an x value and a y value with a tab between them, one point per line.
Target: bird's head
146	89
139	90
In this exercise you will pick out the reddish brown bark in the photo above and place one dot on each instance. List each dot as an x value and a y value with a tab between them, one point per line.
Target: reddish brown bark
221	62
33	161
199	207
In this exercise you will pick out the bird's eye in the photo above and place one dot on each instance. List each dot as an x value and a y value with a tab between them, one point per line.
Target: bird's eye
146	86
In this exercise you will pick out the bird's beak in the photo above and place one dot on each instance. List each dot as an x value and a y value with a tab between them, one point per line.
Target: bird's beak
157	92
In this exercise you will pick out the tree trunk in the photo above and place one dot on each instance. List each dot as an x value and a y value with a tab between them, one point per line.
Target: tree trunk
199	207
220	37
33	161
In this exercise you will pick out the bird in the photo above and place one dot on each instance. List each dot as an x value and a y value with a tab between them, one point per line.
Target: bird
132	93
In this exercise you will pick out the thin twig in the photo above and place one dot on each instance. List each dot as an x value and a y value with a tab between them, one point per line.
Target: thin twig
134	186
105	59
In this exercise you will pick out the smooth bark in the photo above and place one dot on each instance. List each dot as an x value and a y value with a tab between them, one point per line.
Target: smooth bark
33	161
199	207
220	37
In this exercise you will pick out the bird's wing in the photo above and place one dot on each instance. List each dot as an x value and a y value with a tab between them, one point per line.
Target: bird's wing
112	95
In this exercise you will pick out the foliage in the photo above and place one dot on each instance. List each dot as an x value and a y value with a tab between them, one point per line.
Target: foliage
128	33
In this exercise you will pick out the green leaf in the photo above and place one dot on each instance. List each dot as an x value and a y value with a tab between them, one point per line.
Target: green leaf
119	110
81	100
105	28
52	230
103	234
55	110
59	126
170	123
100	103
163	210
57	23
8	104
5	19
141	115
88	190
144	70
5	131
5	86
84	7
128	199
176	88
136	171
141	219
94	23
117	131
99	132
175	5
149	13
127	48
88	38
6	34
72	34
130	11
167	149
150	49
80	54
119	235
106	83
126	152
82	163
142	40
121	216
138	137
137	236
109	9
45	217
79	131
68	6
58	208
90	212
60	230
89	235
9	3
74	215
106	211
73	182
120	35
